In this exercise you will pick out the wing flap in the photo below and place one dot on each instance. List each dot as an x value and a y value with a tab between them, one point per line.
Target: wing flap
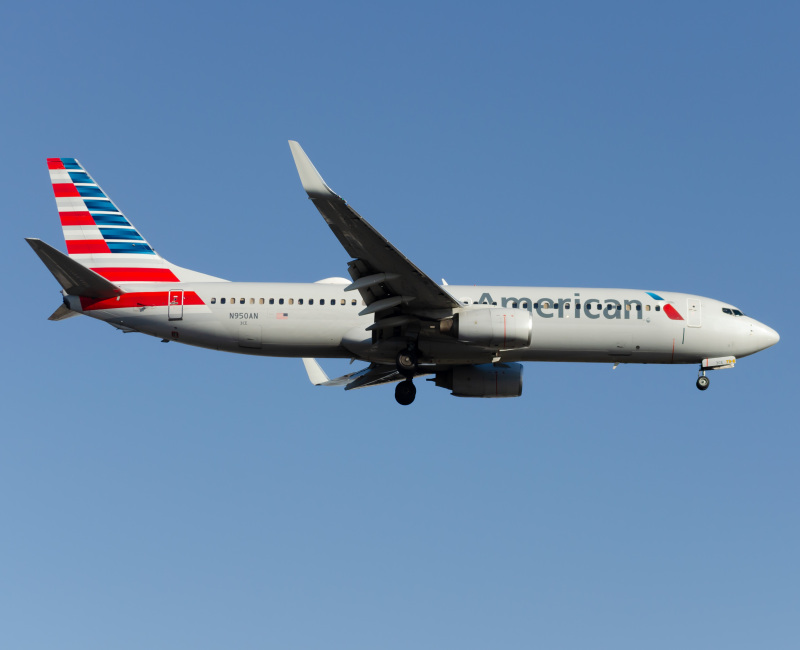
373	375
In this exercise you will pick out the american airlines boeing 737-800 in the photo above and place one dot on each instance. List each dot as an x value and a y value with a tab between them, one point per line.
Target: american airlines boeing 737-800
389	314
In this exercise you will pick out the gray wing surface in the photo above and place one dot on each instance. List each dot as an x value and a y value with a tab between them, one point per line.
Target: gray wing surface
385	278
373	375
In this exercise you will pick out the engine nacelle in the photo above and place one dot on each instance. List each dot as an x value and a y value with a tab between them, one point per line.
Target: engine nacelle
504	329
486	380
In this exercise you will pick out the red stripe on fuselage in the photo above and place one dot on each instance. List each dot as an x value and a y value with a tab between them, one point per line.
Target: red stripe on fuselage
84	246
119	274
76	219
670	311
65	189
54	163
138	299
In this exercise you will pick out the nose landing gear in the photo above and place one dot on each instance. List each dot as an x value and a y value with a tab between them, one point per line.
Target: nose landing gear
703	381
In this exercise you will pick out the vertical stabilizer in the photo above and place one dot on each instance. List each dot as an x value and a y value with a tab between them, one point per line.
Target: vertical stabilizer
100	237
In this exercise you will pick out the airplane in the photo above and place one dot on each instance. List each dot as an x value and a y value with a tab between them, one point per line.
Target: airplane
471	340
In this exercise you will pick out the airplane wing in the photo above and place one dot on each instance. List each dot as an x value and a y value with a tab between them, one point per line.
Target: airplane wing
373	375
386	279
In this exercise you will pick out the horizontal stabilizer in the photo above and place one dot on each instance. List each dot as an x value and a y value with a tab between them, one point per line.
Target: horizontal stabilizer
74	277
63	313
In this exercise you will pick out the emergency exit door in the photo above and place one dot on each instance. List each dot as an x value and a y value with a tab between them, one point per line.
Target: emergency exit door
175	305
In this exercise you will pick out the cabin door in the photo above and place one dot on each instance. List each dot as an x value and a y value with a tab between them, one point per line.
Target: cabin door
175	305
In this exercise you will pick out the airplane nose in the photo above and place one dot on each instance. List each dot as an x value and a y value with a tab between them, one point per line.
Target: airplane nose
765	336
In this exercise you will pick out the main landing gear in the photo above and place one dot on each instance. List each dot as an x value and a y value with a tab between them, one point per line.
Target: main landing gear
405	392
702	381
407	365
407	362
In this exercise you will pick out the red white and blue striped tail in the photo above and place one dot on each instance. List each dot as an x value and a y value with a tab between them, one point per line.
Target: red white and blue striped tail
100	237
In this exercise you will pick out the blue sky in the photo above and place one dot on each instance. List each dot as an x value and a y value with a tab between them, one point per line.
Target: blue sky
162	496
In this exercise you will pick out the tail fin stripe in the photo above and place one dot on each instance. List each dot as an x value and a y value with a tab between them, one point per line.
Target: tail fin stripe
65	189
104	219
70	204
87	246
76	219
103	206
119	274
90	191
124	247
54	163
128	234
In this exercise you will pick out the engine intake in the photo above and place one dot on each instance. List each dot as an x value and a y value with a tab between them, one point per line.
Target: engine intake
503	329
486	380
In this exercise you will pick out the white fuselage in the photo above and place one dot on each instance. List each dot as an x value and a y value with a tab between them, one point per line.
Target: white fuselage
322	320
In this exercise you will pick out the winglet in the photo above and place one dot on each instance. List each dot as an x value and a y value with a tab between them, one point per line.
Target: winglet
315	372
309	176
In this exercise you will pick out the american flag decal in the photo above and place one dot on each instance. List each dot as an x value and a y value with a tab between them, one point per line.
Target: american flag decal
282	316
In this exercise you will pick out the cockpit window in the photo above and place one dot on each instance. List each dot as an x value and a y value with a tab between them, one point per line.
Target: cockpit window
736	312
725	310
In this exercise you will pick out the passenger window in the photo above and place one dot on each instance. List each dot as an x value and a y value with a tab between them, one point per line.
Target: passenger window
260	301
627	307
524	305
252	301
272	301
222	301
536	305
513	305
545	305
241	301
291	301
566	306
310	301
344	302
213	301
353	301
658	307
647	307
280	301
300	301
638	308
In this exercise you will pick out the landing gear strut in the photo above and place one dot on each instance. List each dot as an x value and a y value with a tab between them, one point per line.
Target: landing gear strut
702	380
405	392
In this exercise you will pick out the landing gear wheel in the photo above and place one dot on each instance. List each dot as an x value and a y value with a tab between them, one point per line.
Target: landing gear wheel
407	362
703	382
405	392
